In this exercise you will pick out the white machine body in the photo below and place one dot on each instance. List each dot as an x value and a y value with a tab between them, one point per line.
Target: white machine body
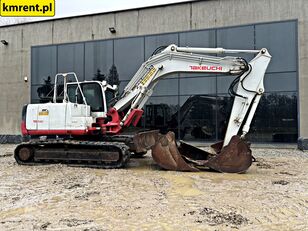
58	116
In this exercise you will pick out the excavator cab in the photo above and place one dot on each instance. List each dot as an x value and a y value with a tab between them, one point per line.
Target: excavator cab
98	95
92	92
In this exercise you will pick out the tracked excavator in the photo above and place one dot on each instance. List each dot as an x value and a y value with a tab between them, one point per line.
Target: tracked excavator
88	128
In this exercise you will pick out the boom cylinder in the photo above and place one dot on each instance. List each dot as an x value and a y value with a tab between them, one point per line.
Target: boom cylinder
214	50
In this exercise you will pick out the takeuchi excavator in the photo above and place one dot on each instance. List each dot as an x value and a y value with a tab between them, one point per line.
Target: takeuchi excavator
88	127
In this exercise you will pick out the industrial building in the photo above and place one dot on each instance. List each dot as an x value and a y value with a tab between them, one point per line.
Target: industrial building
113	45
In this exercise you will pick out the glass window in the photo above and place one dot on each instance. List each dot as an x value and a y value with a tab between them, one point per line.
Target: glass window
110	97
275	119
275	82
280	82
241	37
280	40
44	93
161	113
200	85
122	86
92	93
43	64
204	38
99	59
128	56
155	41
71	59
197	117
223	83
166	87
224	107
73	94
41	93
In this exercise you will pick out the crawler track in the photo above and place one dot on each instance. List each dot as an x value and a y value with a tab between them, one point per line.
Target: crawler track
77	153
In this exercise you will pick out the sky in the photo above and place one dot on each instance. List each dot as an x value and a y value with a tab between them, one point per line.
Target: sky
65	8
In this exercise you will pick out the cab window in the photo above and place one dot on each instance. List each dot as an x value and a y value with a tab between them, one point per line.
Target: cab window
92	93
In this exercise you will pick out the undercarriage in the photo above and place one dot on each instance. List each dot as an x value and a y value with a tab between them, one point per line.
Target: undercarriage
97	154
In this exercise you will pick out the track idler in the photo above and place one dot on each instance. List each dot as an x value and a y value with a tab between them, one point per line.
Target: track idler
234	158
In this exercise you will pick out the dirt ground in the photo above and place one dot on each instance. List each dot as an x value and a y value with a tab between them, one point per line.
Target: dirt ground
272	195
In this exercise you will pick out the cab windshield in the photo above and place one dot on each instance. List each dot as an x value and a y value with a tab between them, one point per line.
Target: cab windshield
92	93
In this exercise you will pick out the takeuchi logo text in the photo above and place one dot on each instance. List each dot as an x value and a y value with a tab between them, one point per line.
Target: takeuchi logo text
206	68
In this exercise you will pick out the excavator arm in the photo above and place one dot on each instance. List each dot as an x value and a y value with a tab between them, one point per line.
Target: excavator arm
169	61
231	155
192	60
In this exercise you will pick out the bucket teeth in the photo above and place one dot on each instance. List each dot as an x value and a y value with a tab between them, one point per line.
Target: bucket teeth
234	158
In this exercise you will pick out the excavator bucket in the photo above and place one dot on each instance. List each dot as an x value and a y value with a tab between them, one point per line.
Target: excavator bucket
234	158
166	154
143	141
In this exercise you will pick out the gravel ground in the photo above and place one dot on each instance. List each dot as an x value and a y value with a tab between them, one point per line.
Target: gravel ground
272	195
